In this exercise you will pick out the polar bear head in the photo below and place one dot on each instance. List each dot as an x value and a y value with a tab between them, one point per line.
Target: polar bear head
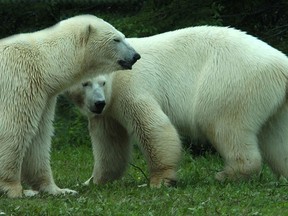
90	96
94	94
105	48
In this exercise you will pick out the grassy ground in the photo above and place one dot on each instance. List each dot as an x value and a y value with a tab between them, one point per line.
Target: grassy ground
197	192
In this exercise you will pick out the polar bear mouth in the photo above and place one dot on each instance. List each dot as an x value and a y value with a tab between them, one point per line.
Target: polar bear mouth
128	64
125	64
98	107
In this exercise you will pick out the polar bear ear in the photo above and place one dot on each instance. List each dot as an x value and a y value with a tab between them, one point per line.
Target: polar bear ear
86	34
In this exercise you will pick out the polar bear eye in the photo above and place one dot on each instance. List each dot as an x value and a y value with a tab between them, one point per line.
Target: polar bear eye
85	84
117	40
102	83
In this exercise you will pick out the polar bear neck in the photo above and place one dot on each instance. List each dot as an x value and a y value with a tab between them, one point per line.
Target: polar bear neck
63	57
54	58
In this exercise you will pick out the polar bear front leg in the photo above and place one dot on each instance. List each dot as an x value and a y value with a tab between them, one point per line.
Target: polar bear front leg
164	152
158	139
36	169
111	149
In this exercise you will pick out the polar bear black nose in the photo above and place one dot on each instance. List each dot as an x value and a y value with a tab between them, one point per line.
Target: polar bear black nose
136	57
99	106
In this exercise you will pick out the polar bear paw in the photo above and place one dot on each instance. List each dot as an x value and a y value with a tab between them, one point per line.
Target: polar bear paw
232	176
66	191
163	182
220	176
30	193
165	177
55	190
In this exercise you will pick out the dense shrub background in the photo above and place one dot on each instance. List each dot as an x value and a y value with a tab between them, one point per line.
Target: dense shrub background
266	19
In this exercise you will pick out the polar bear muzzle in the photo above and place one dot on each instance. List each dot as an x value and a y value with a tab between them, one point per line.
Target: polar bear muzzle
98	107
127	64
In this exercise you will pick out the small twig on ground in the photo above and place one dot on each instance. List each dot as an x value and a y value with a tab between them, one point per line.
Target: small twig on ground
140	170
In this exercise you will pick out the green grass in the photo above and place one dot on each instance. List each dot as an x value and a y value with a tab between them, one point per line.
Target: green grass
197	192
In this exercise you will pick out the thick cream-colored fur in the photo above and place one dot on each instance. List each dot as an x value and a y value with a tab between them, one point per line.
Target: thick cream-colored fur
212	83
34	69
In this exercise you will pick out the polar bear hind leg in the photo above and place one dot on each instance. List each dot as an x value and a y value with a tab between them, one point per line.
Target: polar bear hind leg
239	149
273	142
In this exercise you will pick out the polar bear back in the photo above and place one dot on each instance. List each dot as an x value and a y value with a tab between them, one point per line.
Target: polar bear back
206	43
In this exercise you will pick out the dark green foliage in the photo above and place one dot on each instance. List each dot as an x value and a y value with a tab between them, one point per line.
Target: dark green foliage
265	19
20	18
174	14
197	147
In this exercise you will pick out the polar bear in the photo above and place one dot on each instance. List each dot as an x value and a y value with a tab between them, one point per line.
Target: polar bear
35	68
91	97
211	83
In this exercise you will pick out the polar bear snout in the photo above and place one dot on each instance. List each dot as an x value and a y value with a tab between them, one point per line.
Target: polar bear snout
136	57
93	95
127	64
98	107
